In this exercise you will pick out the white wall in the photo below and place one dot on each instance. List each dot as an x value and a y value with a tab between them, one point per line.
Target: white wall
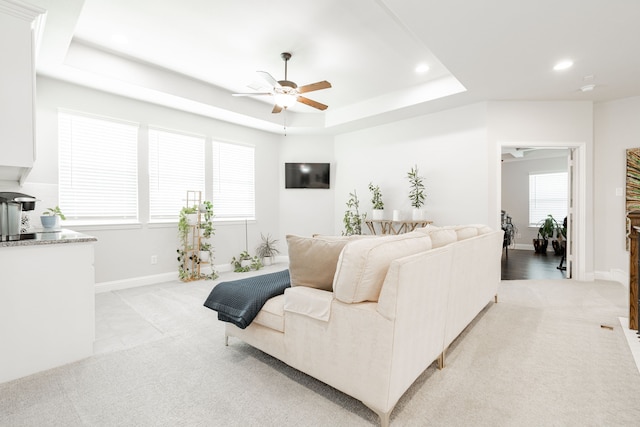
515	192
547	123
124	253
617	128
450	150
306	211
457	151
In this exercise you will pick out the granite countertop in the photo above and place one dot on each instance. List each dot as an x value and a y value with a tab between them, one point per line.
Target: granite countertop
51	238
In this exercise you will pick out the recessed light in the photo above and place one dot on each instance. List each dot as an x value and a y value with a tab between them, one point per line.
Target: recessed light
587	88
422	68
563	65
119	38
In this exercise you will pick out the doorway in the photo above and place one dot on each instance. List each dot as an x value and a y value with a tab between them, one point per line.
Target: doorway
541	157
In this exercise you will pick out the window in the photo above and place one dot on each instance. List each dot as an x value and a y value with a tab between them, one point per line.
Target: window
548	196
176	165
98	168
233	181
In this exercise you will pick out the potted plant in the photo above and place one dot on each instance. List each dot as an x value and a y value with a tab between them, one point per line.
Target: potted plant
559	243
416	193
50	218
376	202
245	262
267	249
184	223
205	252
546	230
206	226
352	219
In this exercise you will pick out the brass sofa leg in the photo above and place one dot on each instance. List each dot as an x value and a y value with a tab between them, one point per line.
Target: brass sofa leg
441	360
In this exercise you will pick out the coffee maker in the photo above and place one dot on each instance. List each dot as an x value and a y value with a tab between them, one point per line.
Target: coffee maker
11	207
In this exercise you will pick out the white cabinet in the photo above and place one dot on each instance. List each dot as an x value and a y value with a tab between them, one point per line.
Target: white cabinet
47	306
17	88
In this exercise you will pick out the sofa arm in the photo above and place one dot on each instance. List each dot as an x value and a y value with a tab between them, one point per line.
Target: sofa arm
311	302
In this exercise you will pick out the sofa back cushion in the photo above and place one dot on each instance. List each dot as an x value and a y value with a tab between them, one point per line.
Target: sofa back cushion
313	260
363	264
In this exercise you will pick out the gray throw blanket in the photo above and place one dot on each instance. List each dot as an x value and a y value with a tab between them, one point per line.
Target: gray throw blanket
239	301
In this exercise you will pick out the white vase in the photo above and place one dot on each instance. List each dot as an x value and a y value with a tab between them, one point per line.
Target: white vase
204	256
268	260
418	214
377	214
192	219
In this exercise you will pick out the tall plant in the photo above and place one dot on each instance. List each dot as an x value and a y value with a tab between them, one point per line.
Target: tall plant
352	217
416	188
376	196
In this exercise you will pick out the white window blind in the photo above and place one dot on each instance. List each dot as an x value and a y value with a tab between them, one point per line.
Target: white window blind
233	181
98	168
176	165
548	196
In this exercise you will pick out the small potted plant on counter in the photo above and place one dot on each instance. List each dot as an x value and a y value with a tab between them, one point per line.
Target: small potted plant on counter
50	218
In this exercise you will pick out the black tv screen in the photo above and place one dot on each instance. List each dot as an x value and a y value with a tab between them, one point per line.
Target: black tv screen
306	175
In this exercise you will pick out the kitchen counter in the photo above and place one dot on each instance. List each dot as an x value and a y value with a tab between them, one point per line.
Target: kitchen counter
51	238
47	302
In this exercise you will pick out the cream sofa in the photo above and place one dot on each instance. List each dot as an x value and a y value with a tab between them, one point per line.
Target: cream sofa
368	315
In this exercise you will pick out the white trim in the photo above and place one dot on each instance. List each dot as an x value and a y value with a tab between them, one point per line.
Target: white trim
615	274
135	282
580	198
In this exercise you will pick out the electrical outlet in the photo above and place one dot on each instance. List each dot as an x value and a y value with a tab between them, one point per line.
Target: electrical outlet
154	259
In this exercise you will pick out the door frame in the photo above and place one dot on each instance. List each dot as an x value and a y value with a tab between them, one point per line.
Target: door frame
576	250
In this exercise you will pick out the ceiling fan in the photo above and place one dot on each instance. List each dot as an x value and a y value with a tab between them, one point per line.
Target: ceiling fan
286	92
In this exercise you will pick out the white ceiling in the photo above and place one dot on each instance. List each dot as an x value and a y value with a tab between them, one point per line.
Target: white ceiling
193	54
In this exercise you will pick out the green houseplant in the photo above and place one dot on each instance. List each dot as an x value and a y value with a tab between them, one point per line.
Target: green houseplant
352	219
376	202
546	230
50	217
246	262
416	192
266	250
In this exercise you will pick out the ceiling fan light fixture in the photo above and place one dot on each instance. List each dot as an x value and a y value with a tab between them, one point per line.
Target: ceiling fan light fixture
285	100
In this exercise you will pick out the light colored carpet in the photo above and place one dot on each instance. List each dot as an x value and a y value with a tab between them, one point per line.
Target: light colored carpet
537	358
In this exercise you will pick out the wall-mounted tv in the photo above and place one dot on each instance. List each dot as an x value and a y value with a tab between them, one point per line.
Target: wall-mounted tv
306	175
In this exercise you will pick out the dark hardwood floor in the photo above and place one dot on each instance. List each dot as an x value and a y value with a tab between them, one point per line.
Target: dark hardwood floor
526	264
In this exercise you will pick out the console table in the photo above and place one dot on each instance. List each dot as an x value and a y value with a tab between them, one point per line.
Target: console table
387	226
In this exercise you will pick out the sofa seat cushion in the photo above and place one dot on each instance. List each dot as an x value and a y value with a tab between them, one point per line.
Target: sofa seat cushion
314	303
272	314
363	264
312	260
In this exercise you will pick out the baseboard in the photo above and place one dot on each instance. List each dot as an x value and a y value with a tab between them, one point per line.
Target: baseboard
135	282
523	246
615	274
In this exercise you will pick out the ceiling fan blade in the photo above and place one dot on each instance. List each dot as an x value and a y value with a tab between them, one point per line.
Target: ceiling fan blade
251	94
314	86
268	78
312	103
276	109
